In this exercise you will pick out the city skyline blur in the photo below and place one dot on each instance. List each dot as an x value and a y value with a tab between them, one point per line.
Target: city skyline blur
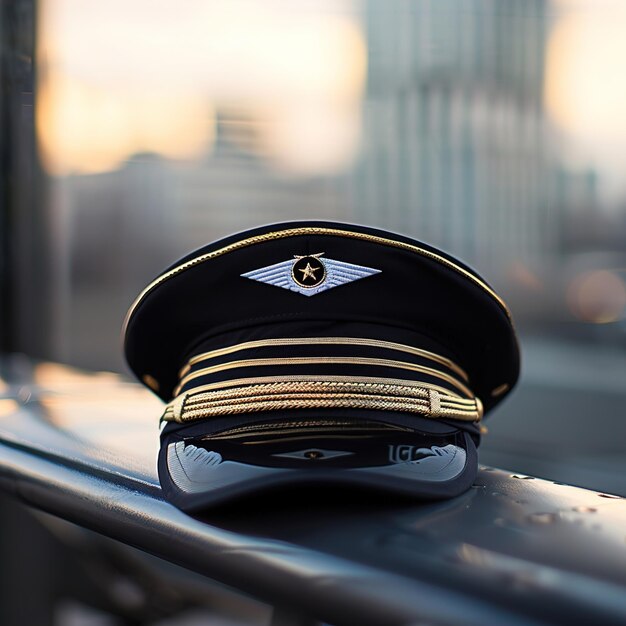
89	80
481	130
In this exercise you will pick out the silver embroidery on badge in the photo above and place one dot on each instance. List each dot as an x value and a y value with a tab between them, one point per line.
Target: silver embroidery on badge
310	274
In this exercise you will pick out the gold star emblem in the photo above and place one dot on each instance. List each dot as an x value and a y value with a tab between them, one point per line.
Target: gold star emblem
309	272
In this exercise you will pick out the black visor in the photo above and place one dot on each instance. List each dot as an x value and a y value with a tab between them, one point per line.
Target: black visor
200	467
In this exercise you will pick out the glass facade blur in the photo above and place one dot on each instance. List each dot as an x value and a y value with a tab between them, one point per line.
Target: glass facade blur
492	129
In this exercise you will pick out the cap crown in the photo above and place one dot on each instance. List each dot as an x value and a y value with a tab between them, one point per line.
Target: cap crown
304	278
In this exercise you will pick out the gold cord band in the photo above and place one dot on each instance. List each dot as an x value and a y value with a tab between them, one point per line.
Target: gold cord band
288	378
290	395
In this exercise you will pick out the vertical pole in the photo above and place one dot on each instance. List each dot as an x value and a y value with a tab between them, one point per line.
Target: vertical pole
24	240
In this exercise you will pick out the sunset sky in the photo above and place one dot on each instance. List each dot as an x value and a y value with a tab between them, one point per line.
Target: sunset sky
123	77
119	78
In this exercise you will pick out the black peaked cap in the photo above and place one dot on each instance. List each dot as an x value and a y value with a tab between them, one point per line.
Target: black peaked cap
418	291
320	353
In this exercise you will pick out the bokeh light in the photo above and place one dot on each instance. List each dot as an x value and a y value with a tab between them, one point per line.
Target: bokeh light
585	85
8	406
597	296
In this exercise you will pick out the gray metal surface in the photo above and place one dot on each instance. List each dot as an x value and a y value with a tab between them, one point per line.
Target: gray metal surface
571	394
512	550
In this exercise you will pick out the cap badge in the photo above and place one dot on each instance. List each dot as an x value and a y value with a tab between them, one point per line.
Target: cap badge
310	274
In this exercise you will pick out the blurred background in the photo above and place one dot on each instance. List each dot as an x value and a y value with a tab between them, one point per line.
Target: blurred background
493	129
133	132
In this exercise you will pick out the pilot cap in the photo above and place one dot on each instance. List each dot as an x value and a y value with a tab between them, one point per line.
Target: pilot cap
320	353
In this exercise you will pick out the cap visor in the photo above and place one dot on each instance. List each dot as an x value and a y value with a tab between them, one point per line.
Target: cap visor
208	463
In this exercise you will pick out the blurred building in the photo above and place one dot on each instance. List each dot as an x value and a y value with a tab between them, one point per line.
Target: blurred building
117	230
457	146
235	187
159	208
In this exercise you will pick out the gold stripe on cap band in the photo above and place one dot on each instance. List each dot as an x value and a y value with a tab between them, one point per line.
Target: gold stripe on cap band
499	390
315	230
316	341
304	428
330	360
192	406
239	382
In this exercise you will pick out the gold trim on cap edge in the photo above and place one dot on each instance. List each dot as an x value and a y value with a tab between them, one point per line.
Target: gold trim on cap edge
311	230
